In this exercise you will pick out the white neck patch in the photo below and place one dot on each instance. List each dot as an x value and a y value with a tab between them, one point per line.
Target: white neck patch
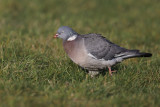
72	38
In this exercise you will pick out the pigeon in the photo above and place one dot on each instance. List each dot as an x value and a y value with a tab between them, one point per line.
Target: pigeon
93	51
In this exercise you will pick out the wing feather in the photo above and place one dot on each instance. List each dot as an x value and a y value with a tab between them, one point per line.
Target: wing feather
100	47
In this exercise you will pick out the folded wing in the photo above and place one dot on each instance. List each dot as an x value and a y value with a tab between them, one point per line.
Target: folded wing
101	48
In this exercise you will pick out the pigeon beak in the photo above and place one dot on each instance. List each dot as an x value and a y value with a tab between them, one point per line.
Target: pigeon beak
56	35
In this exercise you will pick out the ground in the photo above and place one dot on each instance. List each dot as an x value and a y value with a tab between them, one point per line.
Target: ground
35	71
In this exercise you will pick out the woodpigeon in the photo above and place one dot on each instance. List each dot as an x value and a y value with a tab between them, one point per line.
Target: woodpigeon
93	51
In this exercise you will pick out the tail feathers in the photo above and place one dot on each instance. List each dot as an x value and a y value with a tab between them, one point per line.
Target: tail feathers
143	54
133	54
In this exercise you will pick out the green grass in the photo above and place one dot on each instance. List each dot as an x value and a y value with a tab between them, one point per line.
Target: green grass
35	71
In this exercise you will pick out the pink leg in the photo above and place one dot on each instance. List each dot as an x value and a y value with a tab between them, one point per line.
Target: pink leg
110	71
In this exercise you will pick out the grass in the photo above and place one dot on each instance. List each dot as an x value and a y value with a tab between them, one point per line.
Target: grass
34	71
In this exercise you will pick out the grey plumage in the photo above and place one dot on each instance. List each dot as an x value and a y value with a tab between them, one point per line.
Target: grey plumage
93	51
102	48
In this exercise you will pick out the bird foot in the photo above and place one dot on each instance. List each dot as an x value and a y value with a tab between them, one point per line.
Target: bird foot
110	71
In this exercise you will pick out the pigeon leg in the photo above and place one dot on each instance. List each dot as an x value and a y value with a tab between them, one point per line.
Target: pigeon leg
110	71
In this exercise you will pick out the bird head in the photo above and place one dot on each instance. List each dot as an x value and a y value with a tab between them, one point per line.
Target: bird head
65	33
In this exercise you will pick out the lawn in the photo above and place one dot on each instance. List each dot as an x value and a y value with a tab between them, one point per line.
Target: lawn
35	71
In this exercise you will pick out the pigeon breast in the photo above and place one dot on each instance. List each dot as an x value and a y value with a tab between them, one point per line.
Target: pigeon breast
76	51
